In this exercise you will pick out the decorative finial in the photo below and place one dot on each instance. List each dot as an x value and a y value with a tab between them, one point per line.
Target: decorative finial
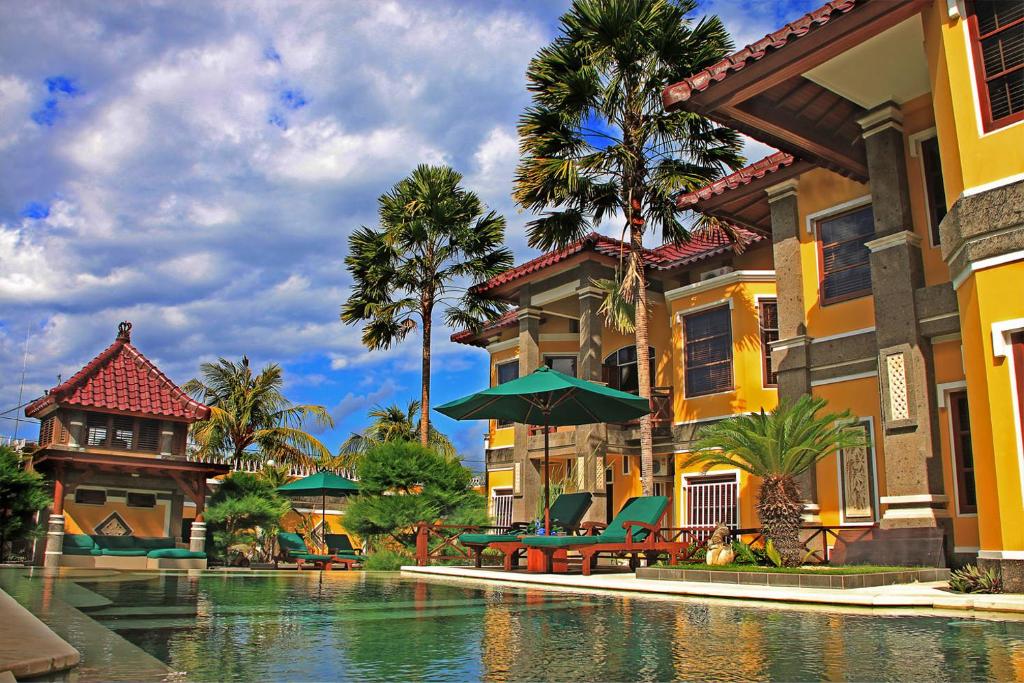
124	331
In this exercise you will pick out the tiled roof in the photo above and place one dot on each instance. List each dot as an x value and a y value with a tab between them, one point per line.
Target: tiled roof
700	81
744	176
507	320
122	379
700	247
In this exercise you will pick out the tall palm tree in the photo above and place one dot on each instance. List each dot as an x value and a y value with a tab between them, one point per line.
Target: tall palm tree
391	423
250	416
597	144
777	447
434	235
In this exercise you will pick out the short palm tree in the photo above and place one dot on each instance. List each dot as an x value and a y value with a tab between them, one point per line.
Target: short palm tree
434	236
597	144
777	447
251	417
391	423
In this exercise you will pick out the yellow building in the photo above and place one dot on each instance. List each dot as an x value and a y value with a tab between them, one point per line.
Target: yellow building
885	273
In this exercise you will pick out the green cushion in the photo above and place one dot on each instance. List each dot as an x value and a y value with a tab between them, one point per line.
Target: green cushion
339	543
559	541
484	539
176	554
117	543
79	544
568	509
309	557
155	543
126	552
646	509
291	543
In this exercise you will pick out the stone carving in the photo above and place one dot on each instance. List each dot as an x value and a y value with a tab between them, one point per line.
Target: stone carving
113	525
857	475
719	548
899	407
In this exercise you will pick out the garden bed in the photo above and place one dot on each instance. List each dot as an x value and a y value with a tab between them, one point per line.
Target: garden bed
824	576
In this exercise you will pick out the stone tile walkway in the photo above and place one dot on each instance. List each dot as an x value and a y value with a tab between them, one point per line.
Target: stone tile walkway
900	596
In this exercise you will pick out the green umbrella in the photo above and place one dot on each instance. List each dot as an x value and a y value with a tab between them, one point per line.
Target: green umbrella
547	398
323	482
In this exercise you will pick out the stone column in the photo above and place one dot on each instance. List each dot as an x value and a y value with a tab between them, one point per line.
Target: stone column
76	428
791	353
166	438
527	484
914	493
55	530
591	440
197	539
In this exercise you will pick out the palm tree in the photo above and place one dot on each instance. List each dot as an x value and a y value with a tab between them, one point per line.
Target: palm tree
248	411
777	447
433	235
391	423
596	142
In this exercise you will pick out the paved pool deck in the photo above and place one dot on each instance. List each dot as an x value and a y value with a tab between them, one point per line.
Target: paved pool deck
899	596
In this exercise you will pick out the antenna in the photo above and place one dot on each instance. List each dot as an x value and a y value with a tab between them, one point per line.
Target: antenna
21	388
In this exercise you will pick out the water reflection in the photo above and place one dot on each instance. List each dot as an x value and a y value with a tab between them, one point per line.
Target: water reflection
371	627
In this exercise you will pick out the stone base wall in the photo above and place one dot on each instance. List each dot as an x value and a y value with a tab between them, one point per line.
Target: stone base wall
1011	572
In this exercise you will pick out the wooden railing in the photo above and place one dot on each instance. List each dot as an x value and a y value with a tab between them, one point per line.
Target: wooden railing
811	537
439	542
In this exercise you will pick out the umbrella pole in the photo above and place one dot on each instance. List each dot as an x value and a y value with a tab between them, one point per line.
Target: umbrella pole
547	479
323	520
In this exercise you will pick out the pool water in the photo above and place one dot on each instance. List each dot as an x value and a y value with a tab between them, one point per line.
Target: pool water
366	626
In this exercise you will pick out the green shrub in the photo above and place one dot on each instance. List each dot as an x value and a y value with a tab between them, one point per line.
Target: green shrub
971	579
22	494
772	553
386	560
744	553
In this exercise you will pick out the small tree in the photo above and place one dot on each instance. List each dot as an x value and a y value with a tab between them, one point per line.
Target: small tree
401	484
391	423
22	495
778	447
244	515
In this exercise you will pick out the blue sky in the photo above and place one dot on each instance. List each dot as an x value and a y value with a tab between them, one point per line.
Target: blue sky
196	168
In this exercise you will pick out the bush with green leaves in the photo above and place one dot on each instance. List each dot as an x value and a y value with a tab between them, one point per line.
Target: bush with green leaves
22	495
403	483
971	579
387	560
244	515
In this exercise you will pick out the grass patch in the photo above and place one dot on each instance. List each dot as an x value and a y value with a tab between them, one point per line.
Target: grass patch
828	570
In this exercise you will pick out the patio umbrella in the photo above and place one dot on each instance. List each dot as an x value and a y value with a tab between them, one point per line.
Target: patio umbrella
548	398
323	482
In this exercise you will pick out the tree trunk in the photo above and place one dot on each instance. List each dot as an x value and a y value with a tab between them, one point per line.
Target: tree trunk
643	364
425	392
780	509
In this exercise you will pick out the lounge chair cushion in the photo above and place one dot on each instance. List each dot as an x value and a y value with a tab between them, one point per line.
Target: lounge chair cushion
291	543
309	557
559	541
176	554
124	552
339	543
569	508
79	544
646	509
484	539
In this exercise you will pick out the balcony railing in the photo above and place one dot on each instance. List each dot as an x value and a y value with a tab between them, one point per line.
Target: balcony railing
254	465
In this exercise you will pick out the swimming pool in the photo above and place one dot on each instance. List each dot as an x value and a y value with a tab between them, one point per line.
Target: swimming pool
352	625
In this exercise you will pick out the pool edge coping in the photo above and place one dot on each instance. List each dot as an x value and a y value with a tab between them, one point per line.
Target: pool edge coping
50	653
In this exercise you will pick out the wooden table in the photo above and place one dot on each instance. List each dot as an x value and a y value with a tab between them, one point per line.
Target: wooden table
535	561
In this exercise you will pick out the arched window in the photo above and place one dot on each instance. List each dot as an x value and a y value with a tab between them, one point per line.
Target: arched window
619	369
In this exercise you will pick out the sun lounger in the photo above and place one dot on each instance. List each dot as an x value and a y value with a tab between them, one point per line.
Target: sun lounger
293	549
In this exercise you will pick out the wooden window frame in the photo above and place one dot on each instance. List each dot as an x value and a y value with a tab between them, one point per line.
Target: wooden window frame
137	423
960	472
95	490
766	350
988	123
820	239
128	500
730	359
625	465
575	361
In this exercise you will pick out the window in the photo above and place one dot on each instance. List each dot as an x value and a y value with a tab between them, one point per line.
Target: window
140	500
98	428
563	364
707	339
506	372
845	266
123	432
934	189
574	326
46	430
625	465
711	500
149	435
90	496
619	369
997	39
768	321
963	453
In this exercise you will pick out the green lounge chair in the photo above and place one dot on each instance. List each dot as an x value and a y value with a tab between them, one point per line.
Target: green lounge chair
340	545
635	531
566	513
293	549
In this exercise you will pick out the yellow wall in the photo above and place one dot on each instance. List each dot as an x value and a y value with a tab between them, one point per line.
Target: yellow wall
497	479
146	522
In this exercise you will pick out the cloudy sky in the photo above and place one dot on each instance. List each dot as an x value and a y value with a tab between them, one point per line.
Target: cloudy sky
197	167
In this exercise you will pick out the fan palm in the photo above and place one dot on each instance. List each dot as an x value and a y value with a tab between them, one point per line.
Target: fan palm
250	416
391	423
777	447
433	236
597	144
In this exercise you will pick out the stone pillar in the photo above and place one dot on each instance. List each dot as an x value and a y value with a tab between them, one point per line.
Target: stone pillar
527	484
914	488
197	539
76	428
791	353
55	530
591	440
166	438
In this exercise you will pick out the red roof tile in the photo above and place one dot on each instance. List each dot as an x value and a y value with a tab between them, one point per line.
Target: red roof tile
744	176
122	379
702	80
469	336
701	247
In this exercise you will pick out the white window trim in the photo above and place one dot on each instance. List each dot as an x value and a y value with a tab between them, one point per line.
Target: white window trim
874	478
942	392
1002	347
686	476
